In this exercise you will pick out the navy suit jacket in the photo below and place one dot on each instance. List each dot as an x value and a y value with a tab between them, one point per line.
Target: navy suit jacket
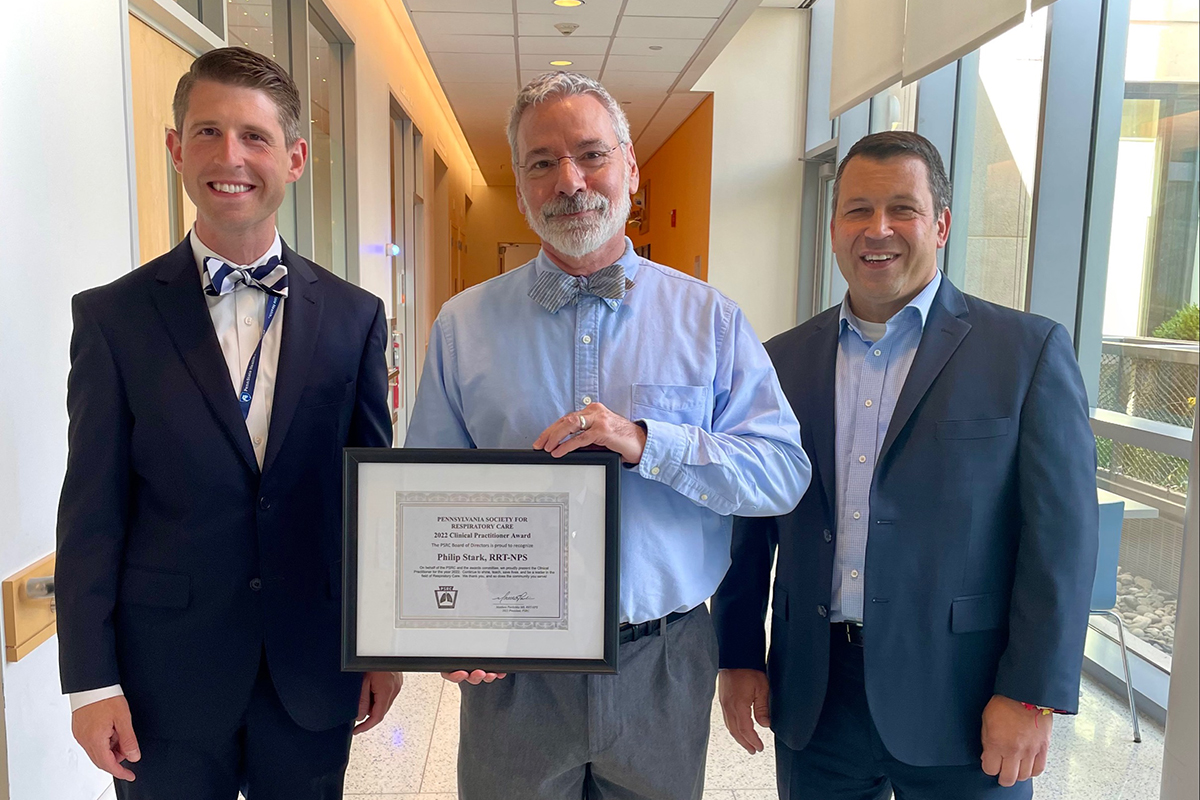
982	543
180	562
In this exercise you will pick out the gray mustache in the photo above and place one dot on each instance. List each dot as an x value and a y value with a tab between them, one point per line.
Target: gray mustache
574	204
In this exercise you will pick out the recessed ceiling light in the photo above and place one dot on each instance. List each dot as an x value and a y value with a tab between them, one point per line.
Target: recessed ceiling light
561	63
568	3
656	47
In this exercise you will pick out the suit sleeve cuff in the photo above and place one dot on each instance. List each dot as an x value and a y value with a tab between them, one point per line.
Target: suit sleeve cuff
81	699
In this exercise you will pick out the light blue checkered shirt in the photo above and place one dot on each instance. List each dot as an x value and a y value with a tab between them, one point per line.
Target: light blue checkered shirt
870	375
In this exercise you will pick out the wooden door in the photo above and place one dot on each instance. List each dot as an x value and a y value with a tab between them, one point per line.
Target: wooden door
164	211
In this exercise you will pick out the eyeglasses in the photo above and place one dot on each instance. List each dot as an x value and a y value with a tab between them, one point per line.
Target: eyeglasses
588	161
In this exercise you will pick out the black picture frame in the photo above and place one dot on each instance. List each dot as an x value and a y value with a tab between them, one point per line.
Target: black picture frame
353	457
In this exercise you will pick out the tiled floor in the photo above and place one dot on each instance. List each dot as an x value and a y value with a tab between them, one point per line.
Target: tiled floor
411	756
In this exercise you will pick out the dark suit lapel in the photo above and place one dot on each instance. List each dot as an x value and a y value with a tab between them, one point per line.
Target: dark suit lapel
944	331
301	324
822	394
179	298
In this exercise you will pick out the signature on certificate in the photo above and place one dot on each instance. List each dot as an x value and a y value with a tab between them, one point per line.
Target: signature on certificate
509	597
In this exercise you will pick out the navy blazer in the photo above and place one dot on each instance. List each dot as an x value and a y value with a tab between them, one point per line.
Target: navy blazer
982	543
180	562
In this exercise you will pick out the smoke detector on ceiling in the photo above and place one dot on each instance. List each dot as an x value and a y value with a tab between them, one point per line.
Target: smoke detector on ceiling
567	28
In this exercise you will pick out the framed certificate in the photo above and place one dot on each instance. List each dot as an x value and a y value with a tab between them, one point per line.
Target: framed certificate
501	560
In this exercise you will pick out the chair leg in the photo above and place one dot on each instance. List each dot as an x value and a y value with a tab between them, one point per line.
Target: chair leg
1137	731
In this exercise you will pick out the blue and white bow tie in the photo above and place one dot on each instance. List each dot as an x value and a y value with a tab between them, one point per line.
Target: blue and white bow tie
221	278
554	289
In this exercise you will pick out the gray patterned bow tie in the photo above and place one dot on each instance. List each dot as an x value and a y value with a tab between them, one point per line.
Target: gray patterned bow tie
554	289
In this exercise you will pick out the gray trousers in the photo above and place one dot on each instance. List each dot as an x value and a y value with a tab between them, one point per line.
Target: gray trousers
639	735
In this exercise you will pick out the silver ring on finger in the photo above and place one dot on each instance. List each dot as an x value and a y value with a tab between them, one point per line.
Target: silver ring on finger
583	423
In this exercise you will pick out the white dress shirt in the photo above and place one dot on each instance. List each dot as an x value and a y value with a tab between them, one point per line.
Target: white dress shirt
237	319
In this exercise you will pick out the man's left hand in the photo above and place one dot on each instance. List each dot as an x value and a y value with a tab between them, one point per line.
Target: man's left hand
1016	740
379	690
594	425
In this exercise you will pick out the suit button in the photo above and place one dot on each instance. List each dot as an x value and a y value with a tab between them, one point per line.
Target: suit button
255	584
828	536
264	503
823	611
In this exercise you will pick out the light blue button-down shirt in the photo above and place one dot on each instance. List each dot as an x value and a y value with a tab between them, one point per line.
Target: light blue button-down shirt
870	375
721	438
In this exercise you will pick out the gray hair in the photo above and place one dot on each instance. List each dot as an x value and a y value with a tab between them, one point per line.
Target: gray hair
891	144
559	85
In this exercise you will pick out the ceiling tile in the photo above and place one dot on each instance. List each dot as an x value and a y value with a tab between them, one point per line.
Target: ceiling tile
652	62
676	8
617	82
665	27
543	24
594	12
479	90
629	46
433	23
566	45
468	43
631	100
472	113
466	67
472	6
534	61
529	74
483	102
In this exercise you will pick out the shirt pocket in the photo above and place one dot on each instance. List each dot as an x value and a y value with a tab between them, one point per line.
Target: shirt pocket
664	402
972	428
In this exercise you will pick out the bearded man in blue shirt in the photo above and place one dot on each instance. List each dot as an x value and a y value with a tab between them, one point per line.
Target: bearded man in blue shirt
589	344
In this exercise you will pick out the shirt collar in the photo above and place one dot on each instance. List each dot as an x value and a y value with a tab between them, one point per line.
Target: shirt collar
202	251
629	260
923	302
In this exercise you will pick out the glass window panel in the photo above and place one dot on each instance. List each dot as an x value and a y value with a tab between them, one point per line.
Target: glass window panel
326	151
206	12
895	109
190	6
1150	358
252	25
1007	92
1151	549
826	263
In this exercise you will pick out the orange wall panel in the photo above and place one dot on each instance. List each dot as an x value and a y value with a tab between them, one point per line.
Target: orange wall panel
679	175
493	219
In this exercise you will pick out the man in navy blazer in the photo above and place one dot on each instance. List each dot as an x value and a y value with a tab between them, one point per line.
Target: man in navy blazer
932	588
199	534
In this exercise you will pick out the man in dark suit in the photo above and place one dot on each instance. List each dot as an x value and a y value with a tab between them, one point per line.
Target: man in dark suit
931	592
210	396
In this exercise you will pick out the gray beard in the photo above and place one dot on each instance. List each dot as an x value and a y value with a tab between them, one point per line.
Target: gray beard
576	238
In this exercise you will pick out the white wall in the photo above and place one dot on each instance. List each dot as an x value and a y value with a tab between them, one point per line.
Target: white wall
64	226
758	83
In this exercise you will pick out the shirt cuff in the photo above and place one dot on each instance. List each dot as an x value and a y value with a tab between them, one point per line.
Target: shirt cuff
81	699
663	451
663	461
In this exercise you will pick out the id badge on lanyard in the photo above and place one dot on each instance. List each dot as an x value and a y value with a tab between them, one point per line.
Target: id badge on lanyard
246	395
